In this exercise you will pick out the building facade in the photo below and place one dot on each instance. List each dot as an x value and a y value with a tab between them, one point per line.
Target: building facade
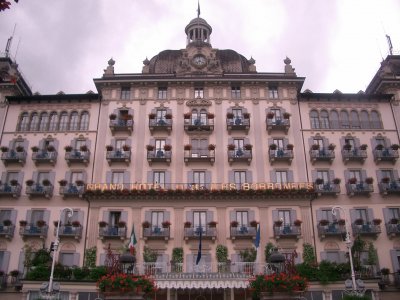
201	145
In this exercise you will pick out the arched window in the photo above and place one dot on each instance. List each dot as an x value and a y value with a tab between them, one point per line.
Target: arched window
375	120
324	117
364	116
34	122
84	124
43	121
314	119
63	121
344	119
195	117
334	119
53	121
355	120
23	122
203	116
74	121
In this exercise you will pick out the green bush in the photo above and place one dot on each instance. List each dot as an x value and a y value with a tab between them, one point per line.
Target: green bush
354	297
97	272
62	272
38	273
308	271
221	253
41	257
80	273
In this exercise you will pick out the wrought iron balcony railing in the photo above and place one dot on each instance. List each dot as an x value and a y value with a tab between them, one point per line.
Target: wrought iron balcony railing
287	231
238	124
281	155
31	230
392	229
116	156
322	155
69	231
7	231
121	125
156	232
328	188
12	157
199	155
159	155
243	232
196	125
278	124
359	189
386	154
77	156
9	190
40	190
72	190
355	155
366	229
45	157
160	125
207	232
240	155
390	188
331	230
109	232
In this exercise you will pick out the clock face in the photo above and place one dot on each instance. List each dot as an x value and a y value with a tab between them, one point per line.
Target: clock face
199	61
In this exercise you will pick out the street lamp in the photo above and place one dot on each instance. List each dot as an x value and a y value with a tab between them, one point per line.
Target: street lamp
50	289
348	244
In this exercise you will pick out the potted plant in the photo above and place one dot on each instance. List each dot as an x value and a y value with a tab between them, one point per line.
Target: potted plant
146	224
152	116
149	147
68	148
270	115
23	223
273	147
385	180
234	223
286	115
336	181
50	148
253	223
46	182
14	273
167	147
211	147
113	116
341	222
35	149
187	224
186	116
363	147
84	148
168	116
394	221
166	224
187	147
297	222
331	147
62	182
7	222
13	182
353	180
75	223
231	147
379	147
394	147
4	149
29	182
315	147
278	223
79	182
246	115
56	223
289	146
229	115
103	224
347	147
126	283
40	223
126	147
248	147
369	180
121	224
210	115
128	117
248	255
377	221
323	222
359	221
319	181
109	148
212	224
19	149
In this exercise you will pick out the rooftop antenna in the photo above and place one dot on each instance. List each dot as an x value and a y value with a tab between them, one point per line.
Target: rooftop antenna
390	44
16	51
198	8
9	41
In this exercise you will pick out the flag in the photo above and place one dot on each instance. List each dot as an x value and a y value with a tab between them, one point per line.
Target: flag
258	236
132	241
199	252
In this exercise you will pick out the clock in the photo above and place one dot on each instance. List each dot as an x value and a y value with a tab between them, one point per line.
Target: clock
199	61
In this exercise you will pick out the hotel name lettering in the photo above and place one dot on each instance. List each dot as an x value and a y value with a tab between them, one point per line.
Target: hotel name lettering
197	187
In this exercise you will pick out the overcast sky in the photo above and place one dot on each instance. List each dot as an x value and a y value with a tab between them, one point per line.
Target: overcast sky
335	44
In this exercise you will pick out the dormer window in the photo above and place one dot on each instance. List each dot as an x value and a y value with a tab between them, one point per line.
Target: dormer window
199	93
125	93
235	92
273	92
162	92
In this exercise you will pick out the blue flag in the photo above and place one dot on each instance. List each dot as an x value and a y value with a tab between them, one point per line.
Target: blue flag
199	252
258	236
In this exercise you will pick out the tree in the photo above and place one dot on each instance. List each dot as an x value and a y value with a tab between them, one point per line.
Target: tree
4	4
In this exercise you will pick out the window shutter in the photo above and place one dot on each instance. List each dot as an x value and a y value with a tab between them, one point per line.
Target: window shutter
63	216
190	177
249	176
29	216
130	111
4	177
293	215
353	215
208	179
124	216
235	258
167	216
150	176
346	176
370	214
153	142
68	176
387	142
231	176
379	175
252	216
374	143
356	142
41	144
324	255
25	144
127	177
363	174
270	141
189	263
290	176
88	143
311	141
106	216
46	216
56	143
342	142
331	175
5	261
102	260
394	254
113	143
285	142
80	216
35	176
52	177
396	174
229	110
386	214
13	216
168	179
210	216
246	141
76	259
21	260
272	175
319	215
232	215
128	142
342	257
189	216
84	176
147	216
108	176
325	142
275	215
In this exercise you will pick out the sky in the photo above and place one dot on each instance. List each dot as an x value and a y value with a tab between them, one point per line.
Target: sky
61	45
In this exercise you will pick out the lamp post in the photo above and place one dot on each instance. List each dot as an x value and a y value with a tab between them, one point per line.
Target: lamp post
48	291
348	244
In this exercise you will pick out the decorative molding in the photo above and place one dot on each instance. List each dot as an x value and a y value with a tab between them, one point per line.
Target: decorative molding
198	102
336	105
53	106
203	283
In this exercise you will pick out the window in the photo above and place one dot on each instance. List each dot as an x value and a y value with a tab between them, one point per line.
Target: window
333	256
159	178
237	113
388	174
350	141
326	214
334	119
114	218
277	115
79	144
284	215
239	144
84	124
11	176
381	141
324	175
53	121
242	217
42	176
199	220
24	122
157	217
66	259
324	119
281	176
43	122
355	120
355	174
364	119
319	142
160	115
361	214
314	119
394	213
119	143
344	119
34	122
74	121
125	93
278	143
76	176
36	215
162	92
235	92
199	92
199	178
240	178
160	143
63	122
273	92
5	214
199	147
117	177
375	120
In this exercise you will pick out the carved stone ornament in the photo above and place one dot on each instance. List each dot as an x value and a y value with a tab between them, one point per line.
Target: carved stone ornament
198	102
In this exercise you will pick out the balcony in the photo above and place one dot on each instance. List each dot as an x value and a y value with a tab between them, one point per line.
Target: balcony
78	157
322	155
7	231
287	231
390	188
278	125
112	232
199	125
121	125
33	231
68	231
156	233
359	189
355	155
328	188
331	230
13	157
44	157
118	156
386	155
159	156
392	230
240	156
207	233
280	155
238	124
243	232
366	229
39	190
160	125
8	190
72	191
199	155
